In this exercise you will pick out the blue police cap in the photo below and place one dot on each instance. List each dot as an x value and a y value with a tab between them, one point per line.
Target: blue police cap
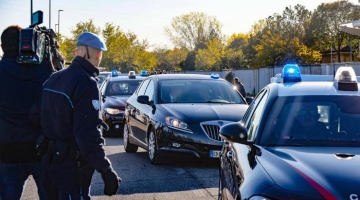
91	40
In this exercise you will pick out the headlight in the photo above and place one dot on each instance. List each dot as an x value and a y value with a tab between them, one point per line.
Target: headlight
113	111
175	123
259	198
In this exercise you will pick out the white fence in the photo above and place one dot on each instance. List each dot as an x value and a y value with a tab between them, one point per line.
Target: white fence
255	80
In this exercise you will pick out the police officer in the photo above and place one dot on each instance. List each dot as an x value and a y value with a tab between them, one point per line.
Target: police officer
69	115
21	85
239	86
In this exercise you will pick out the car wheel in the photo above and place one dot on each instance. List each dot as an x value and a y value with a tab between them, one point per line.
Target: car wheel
129	148
152	150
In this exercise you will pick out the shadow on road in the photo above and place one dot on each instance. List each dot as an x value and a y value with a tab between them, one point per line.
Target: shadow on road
173	175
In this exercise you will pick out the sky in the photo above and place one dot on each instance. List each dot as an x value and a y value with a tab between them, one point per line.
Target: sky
146	18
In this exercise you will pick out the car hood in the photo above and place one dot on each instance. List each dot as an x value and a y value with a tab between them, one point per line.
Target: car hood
328	172
195	113
116	101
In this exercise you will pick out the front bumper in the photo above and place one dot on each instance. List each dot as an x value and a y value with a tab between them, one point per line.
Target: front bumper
176	142
115	122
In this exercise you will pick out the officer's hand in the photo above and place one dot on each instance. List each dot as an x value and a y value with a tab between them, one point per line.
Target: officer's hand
111	181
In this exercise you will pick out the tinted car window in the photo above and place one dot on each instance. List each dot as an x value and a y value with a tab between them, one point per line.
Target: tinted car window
122	87
256	116
150	91
143	87
102	76
199	91
314	121
103	87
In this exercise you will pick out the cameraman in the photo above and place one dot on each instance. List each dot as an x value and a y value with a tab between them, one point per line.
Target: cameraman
20	87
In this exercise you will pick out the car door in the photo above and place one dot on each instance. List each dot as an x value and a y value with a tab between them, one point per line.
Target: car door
240	158
135	120
103	97
145	112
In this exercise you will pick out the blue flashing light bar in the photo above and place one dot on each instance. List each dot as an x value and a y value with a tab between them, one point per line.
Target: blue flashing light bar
291	73
214	76
114	73
144	73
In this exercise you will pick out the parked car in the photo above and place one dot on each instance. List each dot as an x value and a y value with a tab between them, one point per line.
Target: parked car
180	114
299	139
115	90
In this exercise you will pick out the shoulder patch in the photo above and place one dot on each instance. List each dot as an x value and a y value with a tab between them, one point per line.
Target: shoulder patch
96	104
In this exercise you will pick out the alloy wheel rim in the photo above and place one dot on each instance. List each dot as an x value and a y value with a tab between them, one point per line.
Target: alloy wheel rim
125	135
151	145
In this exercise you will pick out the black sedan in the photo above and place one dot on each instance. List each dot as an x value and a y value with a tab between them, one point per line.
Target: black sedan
115	90
180	114
298	140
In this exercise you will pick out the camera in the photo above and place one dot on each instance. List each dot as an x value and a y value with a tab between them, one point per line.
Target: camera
37	43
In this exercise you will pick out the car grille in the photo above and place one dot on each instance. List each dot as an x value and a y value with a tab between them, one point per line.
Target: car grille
212	131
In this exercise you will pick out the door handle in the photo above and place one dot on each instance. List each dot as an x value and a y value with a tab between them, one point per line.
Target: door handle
230	155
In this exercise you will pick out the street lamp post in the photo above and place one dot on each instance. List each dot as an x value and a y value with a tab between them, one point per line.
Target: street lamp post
49	13
59	20
55	27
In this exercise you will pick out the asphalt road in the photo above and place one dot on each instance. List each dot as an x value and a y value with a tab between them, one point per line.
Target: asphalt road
186	179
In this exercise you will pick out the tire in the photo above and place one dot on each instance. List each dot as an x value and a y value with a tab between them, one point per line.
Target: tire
152	148
129	148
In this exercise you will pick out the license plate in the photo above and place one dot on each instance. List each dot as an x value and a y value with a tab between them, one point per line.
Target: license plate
214	154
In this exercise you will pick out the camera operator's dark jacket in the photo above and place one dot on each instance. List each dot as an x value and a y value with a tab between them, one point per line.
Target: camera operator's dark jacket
70	116
20	87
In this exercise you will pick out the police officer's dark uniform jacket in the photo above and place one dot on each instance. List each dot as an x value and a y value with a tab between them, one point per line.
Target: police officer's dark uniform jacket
73	94
20	86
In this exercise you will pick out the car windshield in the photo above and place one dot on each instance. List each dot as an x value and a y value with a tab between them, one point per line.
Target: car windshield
313	121
122	87
198	91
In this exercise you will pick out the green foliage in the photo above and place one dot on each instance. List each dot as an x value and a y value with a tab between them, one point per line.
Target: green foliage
199	44
189	30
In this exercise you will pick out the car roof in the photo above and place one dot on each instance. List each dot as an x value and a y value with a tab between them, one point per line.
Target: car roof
125	77
312	88
310	85
183	76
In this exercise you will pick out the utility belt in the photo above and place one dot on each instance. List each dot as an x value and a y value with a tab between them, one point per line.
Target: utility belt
56	151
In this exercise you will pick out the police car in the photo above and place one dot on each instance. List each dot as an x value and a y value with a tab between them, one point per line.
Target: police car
180	115
115	90
102	76
299	139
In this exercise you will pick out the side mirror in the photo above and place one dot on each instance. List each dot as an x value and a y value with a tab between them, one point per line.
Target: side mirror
234	132
143	99
249	100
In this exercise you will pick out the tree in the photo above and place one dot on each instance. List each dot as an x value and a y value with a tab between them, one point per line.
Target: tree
234	54
211	57
68	44
189	30
323	31
174	57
